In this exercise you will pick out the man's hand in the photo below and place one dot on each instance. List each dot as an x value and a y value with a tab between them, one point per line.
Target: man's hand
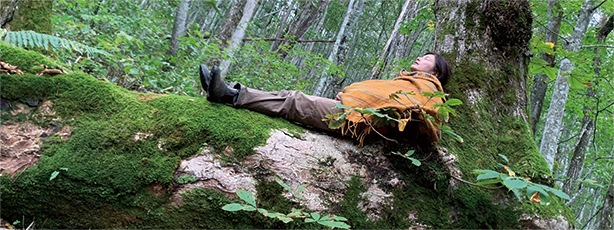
338	97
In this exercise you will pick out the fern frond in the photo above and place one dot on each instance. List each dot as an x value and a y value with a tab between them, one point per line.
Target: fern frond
31	39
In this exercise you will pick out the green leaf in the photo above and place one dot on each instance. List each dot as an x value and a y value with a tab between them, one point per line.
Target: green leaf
233	207
560	193
309	220
514	184
247	197
517	194
263	211
487	174
410	152
315	215
284	219
341	218
284	185
415	161
453	102
504	158
54	174
334	224
447	130
248	207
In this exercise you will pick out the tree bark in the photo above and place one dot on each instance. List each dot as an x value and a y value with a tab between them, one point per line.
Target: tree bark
381	63
298	28
286	11
179	27
607	211
556	111
32	15
588	121
238	34
540	86
232	23
7	9
324	81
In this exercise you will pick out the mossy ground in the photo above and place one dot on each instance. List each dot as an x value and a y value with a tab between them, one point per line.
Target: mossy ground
104	172
108	180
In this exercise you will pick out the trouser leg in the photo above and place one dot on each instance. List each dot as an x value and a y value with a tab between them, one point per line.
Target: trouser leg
291	105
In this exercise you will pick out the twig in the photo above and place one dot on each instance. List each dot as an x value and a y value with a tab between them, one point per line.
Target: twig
283	39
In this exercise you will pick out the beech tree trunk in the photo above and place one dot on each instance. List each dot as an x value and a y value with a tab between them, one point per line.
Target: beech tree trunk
556	111
540	86
238	34
324	81
298	28
232	22
588	121
286	12
179	27
382	62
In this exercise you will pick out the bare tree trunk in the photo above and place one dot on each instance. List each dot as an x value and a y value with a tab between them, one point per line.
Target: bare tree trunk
381	64
588	122
179	27
232	23
299	27
286	12
552	129
577	160
238	34
325	79
540	86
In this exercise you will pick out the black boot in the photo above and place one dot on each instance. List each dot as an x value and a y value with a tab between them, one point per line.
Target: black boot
218	90
205	77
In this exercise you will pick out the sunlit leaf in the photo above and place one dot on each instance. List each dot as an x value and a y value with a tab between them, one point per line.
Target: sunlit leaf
247	197
504	158
487	174
54	174
514	184
232	207
334	224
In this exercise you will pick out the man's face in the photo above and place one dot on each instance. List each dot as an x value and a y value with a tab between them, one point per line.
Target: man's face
425	63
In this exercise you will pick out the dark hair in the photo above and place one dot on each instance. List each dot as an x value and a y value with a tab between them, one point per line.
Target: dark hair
442	68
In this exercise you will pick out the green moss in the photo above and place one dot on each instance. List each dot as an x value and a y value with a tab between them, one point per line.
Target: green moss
26	61
33	15
110	172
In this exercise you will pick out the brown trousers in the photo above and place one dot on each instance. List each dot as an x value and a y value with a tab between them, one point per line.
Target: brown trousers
291	105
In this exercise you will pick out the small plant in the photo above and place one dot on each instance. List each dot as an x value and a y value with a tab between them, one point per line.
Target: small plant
384	116
522	187
331	221
408	155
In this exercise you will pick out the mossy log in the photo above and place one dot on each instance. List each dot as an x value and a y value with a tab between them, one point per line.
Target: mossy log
86	153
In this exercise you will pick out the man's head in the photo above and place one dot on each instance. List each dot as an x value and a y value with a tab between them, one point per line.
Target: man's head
435	64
